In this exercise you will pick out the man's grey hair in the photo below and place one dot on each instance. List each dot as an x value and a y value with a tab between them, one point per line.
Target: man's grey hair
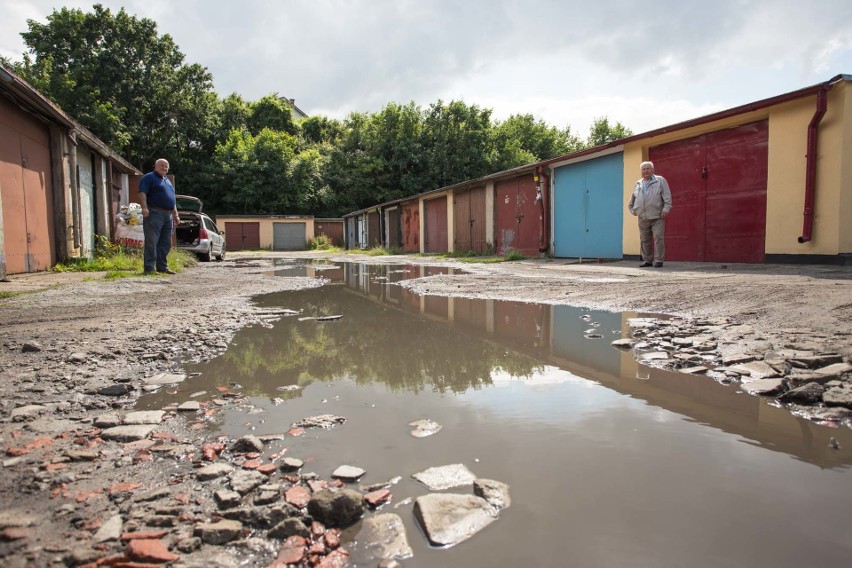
643	164
163	160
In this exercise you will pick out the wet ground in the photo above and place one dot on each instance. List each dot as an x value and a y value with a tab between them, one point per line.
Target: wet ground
609	462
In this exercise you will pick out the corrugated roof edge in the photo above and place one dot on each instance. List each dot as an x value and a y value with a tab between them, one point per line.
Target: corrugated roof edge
17	86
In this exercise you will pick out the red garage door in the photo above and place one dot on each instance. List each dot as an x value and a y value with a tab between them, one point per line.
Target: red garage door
435	211
242	236
26	192
718	183
518	216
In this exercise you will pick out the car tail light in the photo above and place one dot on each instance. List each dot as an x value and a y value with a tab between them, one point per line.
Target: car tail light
202	234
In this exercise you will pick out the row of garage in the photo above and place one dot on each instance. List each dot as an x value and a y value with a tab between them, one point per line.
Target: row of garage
277	232
767	181
60	185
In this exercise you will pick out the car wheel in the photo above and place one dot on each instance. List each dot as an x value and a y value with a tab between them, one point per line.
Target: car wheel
205	257
222	254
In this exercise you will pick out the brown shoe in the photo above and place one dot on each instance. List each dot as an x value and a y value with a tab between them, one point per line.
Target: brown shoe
167	271
645	265
658	265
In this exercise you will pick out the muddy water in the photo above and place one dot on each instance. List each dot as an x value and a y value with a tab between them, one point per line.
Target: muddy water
609	463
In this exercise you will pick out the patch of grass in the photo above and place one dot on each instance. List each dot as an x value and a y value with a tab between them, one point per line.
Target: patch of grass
7	295
514	255
375	251
321	242
119	262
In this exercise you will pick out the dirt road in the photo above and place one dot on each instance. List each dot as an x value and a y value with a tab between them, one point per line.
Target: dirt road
77	349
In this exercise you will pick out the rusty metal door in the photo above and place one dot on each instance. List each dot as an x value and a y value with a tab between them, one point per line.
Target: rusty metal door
374	231
469	220
411	226
242	236
718	182
27	194
392	224
436	224
519	216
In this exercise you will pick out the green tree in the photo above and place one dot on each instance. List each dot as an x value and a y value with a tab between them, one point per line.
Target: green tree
457	143
129	85
522	139
271	112
602	132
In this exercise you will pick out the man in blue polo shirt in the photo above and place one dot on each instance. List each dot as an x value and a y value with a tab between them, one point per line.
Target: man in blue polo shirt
159	209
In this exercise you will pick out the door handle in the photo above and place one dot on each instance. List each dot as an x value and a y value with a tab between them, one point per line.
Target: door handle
704	172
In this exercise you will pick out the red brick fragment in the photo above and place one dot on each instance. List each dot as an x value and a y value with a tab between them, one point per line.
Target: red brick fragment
317	484
252	464
332	538
268	468
298	496
120	487
296	431
54	466
211	451
378	497
14	533
317	529
143	534
15	452
150	550
292	551
164	436
337	559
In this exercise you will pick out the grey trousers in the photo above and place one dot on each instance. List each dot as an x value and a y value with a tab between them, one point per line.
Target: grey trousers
652	231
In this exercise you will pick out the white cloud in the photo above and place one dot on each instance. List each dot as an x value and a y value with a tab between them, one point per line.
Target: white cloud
567	62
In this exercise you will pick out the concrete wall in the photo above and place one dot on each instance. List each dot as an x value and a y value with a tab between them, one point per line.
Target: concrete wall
265	225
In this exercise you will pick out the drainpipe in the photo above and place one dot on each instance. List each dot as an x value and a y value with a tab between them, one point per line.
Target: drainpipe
539	177
810	168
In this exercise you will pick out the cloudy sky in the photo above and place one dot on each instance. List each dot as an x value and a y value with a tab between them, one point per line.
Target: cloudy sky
646	64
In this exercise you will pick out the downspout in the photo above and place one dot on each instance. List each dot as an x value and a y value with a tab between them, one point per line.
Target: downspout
810	168
539	178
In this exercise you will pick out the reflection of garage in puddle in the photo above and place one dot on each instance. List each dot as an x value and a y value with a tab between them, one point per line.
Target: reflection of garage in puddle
603	469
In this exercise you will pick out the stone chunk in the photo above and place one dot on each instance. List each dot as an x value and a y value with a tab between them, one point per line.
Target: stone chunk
219	533
289	527
765	387
445	477
495	492
213	471
808	393
348	473
384	539
622	343
190	406
450	518
110	530
244	481
336	508
144	417
226	499
755	370
247	444
165	379
291	464
128	433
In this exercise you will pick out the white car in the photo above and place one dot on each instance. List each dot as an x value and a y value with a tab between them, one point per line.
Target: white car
196	232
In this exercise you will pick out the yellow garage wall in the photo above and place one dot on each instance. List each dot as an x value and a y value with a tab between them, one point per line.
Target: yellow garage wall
845	152
265	226
788	131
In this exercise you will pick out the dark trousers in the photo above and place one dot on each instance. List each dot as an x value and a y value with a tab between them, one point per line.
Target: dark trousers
158	239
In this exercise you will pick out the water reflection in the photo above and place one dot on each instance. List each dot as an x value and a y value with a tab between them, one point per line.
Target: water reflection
406	342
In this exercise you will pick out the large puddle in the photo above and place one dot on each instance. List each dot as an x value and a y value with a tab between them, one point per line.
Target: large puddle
609	463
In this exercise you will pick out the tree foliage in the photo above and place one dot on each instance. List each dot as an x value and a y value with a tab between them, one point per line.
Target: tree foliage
602	132
129	85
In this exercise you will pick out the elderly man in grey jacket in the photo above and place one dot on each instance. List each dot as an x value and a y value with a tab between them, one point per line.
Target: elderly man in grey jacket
651	202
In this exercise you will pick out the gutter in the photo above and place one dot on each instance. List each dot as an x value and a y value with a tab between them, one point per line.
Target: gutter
810	168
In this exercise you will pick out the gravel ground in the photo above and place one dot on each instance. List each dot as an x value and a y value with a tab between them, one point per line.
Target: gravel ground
83	334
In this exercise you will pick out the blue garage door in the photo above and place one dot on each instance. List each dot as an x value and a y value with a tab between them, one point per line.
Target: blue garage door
588	208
